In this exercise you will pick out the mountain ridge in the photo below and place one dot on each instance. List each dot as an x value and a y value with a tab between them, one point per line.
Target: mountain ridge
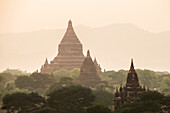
113	45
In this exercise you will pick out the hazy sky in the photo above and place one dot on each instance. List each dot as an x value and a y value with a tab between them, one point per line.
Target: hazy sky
29	15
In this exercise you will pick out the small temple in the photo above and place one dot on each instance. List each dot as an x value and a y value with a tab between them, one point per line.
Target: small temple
70	53
88	73
130	91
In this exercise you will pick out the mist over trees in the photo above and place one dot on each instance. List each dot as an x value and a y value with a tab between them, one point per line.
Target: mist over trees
45	88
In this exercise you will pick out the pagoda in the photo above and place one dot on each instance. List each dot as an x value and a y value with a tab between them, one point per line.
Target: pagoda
130	91
88	73
70	53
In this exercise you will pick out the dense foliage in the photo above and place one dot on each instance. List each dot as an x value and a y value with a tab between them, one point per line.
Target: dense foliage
103	97
35	82
98	108
65	73
22	102
7	79
45	110
148	102
165	85
61	84
72	99
159	81
64	82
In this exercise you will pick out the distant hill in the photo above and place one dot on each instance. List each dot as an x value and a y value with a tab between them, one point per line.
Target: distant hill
113	45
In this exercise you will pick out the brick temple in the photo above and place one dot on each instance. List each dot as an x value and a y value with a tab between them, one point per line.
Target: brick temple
70	53
130	91
88	73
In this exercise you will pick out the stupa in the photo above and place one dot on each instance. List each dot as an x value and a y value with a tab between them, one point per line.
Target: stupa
88	73
70	53
130	91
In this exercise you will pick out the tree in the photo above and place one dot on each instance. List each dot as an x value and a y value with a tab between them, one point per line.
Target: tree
98	109
45	110
10	85
7	80
147	77
101	86
15	90
75	73
64	82
53	87
141	107
113	77
40	80
165	85
151	96
7	77
1	79
16	72
71	99
103	97
24	82
60	74
35	82
167	103
148	102
22	102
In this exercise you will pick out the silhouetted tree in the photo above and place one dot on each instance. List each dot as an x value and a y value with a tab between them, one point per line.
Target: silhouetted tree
71	99
103	97
98	109
34	82
1	78
165	85
64	82
8	77
22	102
23	82
41	80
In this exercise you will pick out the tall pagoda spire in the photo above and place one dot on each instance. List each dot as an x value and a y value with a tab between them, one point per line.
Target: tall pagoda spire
132	77
132	66
70	36
46	61
69	23
88	53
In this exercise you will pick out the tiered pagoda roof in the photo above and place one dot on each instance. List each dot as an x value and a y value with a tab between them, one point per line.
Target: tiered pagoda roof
88	73
70	53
